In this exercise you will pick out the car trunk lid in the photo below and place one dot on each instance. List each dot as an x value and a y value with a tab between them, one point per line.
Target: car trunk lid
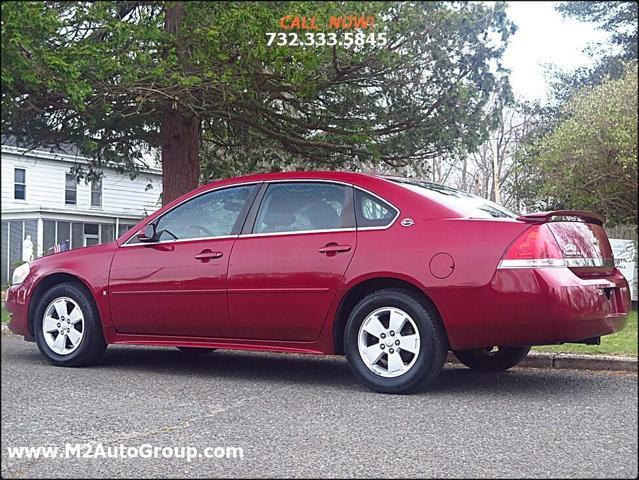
581	238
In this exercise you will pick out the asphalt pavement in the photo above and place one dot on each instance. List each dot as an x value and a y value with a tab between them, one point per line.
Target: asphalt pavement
306	416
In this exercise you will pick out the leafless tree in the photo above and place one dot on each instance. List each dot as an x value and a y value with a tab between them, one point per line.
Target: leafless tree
486	171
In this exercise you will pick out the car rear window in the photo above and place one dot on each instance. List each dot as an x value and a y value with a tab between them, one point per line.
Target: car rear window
470	206
372	211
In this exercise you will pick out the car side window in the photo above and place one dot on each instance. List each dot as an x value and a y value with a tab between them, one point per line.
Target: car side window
212	214
302	206
371	211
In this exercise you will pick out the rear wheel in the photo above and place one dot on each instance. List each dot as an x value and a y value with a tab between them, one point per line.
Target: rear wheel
67	327
393	342
195	350
492	359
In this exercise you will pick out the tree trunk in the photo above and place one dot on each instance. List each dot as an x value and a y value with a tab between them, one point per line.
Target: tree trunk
179	132
464	183
496	193
180	155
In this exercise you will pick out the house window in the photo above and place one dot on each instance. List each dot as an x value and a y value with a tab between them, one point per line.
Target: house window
96	193
71	190
20	184
123	228
91	234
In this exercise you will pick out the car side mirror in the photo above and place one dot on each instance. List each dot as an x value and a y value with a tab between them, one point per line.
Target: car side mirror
148	234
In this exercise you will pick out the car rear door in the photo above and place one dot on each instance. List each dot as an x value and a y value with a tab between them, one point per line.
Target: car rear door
287	265
177	285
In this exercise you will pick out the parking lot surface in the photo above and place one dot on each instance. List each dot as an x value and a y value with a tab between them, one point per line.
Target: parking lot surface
306	416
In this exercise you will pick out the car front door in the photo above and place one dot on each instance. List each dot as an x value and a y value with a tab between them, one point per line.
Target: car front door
176	285
285	270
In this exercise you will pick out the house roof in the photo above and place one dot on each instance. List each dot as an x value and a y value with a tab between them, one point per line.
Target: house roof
76	212
62	152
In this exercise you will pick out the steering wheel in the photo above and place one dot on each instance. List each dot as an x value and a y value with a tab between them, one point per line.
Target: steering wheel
202	229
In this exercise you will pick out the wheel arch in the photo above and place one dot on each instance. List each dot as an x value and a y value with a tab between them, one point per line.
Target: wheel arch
50	281
364	287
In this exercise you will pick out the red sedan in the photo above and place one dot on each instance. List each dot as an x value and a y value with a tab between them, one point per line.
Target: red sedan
391	272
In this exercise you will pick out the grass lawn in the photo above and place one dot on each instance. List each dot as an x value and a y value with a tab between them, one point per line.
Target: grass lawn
624	342
5	314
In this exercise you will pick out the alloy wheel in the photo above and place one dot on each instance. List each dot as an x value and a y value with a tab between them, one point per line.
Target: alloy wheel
388	342
63	325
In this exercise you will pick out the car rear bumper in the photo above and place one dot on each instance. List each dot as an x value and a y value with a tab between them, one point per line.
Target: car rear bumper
546	306
16	302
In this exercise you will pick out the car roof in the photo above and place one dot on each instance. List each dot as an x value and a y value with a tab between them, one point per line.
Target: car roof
347	177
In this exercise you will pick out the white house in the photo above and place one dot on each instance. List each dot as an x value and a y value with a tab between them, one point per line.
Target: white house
44	207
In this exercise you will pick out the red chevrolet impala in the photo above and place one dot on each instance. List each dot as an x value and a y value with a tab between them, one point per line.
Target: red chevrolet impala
391	272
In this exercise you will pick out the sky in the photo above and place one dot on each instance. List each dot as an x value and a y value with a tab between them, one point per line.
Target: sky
544	37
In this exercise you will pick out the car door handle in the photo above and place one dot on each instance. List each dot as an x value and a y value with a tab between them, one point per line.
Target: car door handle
205	255
334	248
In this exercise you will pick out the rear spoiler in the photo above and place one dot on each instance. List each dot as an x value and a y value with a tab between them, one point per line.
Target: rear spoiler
543	217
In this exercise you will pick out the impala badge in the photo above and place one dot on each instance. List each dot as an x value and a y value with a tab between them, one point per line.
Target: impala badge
407	222
570	249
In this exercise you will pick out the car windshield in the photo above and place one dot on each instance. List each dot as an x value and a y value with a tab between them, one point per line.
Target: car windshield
470	206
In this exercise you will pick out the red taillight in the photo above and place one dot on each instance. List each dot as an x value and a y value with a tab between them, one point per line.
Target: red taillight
536	247
536	242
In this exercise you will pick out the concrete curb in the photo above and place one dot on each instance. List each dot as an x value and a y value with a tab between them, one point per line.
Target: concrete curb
572	361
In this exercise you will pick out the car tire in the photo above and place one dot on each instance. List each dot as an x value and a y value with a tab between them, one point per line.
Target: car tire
492	360
422	342
195	350
73	336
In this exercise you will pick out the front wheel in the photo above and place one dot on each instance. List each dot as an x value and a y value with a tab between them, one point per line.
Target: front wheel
394	342
67	327
492	359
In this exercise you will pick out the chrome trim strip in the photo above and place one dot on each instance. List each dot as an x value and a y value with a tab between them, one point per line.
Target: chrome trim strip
555	262
383	227
165	242
246	235
296	232
590	262
532	263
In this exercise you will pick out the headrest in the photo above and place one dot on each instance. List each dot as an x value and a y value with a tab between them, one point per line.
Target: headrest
321	215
